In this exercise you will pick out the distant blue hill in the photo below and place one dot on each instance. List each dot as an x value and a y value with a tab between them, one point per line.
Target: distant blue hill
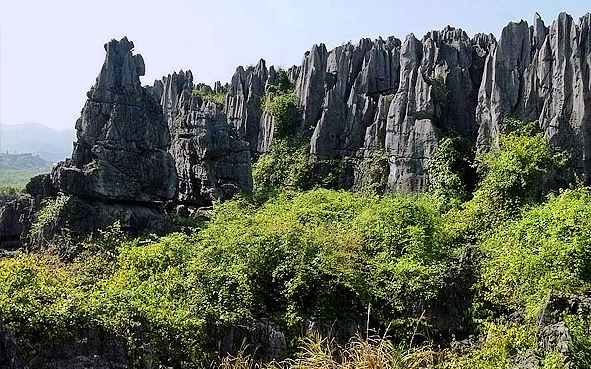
50	144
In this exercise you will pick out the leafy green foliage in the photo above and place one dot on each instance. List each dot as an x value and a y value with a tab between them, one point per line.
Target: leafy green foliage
321	255
281	84
547	249
208	94
513	176
48	214
326	257
40	302
501	342
373	172
283	107
451	175
287	165
579	327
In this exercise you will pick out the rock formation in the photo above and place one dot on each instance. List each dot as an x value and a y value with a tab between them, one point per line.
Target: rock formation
121	152
212	161
387	98
120	168
243	105
15	218
541	73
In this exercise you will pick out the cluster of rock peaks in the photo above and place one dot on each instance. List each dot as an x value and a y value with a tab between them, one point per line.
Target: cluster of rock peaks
138	147
398	98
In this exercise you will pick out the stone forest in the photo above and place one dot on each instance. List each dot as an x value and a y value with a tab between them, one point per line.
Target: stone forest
391	203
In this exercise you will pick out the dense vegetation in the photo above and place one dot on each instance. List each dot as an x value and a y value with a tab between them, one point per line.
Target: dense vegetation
208	94
481	258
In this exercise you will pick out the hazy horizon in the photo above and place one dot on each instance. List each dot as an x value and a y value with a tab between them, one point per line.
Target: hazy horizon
51	53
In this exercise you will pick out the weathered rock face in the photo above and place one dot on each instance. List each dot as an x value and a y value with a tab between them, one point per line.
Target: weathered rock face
501	82
15	219
391	99
243	105
121	151
120	167
212	161
566	81
11	356
444	83
243	102
541	73
437	93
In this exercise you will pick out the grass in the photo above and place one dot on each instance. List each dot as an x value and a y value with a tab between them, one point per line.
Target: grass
18	178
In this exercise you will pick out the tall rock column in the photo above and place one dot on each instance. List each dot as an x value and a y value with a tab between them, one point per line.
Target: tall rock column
243	103
502	82
566	113
122	137
536	73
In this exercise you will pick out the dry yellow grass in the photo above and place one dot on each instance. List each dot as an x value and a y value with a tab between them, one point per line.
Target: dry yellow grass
373	352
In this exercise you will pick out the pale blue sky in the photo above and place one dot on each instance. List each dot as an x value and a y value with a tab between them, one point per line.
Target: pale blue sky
52	51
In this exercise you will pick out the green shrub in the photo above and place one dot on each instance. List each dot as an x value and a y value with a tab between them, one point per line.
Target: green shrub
500	343
40	302
287	165
513	176
372	172
282	83
208	94
49	213
547	249
452	176
579	327
283	107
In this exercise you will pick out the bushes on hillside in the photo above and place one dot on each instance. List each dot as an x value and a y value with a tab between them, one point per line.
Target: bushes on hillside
547	249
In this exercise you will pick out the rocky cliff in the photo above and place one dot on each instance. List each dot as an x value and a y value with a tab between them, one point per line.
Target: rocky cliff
538	72
397	99
212	160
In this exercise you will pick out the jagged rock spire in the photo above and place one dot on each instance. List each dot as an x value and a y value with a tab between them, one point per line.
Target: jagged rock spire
122	137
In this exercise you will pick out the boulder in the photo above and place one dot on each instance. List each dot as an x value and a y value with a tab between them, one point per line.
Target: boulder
16	217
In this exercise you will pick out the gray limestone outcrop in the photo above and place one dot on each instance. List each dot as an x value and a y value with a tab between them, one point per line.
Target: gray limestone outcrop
436	95
243	104
541	73
443	84
212	161
121	152
391	99
120	168
15	218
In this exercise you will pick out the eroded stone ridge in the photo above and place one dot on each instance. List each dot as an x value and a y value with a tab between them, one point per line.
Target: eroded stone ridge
392	98
398	99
